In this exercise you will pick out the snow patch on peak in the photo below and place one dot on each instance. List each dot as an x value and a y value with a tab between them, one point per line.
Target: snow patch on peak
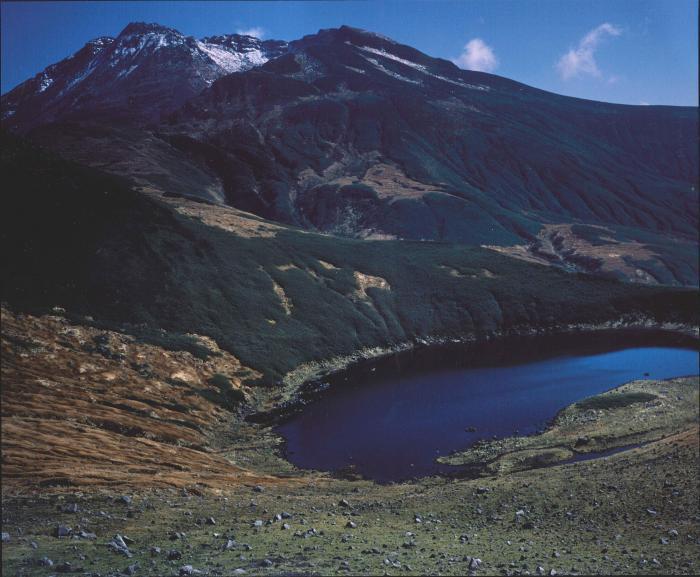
391	73
230	60
130	46
415	66
393	57
45	82
101	42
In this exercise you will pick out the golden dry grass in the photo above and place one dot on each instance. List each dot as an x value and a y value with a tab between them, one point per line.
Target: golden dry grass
74	417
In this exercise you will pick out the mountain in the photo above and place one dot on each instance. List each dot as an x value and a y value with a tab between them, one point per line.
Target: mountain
280	299
350	133
145	72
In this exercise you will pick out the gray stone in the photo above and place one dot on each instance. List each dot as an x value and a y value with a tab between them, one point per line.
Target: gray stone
230	544
119	541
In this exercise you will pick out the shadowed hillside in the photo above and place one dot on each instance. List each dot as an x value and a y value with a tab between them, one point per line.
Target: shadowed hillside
274	296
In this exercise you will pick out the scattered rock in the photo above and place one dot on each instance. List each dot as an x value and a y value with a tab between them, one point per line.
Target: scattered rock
45	562
62	531
155	551
174	555
258	488
71	508
124	500
132	569
230	544
474	563
351	525
64	567
5	537
119	546
343	503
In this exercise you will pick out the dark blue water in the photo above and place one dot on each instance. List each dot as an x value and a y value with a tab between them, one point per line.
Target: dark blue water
390	424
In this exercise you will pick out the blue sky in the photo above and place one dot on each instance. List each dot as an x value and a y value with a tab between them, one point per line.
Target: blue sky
627	51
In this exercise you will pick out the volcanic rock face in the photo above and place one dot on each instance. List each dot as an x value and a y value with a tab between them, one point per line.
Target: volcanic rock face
351	133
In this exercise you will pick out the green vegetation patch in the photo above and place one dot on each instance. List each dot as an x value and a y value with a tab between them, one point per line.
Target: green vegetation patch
615	400
174	342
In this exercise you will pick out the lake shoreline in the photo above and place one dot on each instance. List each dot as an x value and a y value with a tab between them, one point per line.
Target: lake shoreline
306	383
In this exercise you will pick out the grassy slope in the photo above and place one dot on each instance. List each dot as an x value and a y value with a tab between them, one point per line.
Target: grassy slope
77	238
631	513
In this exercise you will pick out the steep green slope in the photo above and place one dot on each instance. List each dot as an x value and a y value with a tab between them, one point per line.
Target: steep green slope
77	238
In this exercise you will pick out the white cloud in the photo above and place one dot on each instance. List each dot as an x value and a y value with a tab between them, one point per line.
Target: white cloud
477	55
581	60
256	31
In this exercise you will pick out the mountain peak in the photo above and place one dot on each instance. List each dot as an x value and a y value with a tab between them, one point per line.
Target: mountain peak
346	34
146	28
